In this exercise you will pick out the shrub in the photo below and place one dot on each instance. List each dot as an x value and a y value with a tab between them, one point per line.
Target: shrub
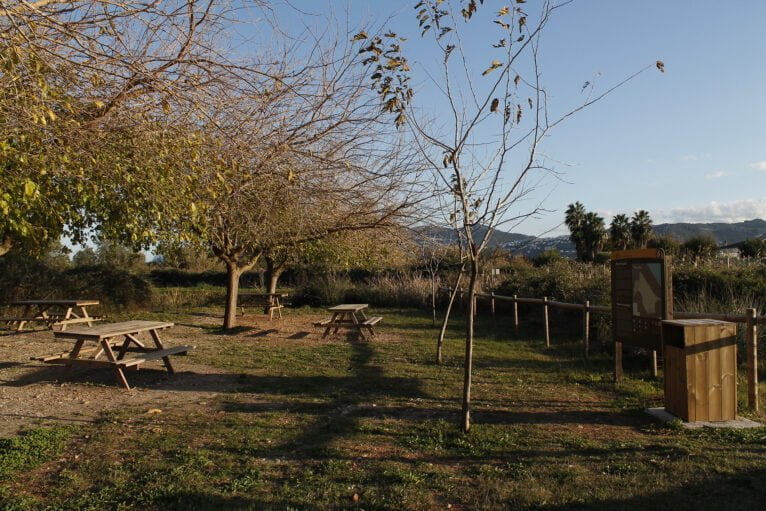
26	278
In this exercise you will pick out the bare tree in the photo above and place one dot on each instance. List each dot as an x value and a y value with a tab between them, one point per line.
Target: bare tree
291	156
485	152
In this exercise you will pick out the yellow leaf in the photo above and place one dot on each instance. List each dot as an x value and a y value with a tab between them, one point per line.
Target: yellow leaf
495	64
99	104
29	188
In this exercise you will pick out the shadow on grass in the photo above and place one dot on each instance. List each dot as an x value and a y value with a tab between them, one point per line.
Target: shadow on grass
264	333
740	491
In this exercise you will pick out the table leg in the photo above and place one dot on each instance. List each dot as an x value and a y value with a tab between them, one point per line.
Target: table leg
86	315
158	342
329	325
132	338
66	317
339	323
110	355
27	312
72	354
358	326
279	307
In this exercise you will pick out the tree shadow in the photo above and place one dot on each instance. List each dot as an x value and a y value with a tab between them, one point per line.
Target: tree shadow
740	491
264	333
154	377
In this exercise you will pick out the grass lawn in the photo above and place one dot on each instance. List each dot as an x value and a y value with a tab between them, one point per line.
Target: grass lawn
342	424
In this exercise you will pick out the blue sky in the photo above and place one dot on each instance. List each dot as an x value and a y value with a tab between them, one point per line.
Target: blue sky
686	145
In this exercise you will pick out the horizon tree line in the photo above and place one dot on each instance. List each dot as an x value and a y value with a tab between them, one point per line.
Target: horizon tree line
590	235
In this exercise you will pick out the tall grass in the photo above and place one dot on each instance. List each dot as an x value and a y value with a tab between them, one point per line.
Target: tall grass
402	290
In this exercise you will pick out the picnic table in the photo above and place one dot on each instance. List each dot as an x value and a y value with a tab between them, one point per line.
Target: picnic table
51	312
104	339
349	315
269	301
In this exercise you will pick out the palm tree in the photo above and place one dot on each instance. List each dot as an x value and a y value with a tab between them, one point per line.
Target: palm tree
619	230
641	228
574	218
594	235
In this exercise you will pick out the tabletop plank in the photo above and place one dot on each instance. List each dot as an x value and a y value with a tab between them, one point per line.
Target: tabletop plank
64	303
112	330
346	307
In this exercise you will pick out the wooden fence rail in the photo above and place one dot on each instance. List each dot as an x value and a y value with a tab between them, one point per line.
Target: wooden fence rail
750	319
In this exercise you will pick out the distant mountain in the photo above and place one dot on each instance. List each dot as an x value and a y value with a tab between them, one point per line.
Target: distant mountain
498	238
723	233
530	246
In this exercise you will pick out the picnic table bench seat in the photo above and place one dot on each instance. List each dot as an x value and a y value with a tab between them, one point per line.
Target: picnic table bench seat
372	321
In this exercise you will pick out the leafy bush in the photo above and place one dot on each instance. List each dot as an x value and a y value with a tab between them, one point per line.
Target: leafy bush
26	278
184	278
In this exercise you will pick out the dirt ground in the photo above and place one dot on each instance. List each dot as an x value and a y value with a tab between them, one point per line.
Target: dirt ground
32	395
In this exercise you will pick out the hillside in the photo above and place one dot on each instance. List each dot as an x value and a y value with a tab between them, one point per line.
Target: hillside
530	246
723	233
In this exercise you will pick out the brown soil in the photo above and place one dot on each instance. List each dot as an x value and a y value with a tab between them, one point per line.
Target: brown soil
32	395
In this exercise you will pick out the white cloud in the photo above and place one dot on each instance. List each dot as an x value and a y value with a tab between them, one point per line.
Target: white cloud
759	165
716	175
727	212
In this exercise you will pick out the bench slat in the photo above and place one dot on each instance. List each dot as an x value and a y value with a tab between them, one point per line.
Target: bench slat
154	355
372	321
324	322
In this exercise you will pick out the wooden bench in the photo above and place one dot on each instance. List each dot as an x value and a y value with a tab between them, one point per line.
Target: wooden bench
115	335
372	321
324	322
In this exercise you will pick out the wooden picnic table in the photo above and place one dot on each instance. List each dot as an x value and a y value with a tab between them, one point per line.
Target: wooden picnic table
51	312
269	301
349	315
106	337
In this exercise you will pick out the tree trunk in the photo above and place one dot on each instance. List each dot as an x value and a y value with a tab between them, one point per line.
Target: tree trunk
443	331
469	320
271	275
233	272
433	300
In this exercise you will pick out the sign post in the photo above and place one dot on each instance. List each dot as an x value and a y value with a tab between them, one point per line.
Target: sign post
642	297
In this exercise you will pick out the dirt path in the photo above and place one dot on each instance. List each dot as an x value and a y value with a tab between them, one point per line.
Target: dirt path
31	395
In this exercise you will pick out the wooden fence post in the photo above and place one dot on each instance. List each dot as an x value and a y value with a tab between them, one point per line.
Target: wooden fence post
751	340
586	327
545	320
492	308
516	314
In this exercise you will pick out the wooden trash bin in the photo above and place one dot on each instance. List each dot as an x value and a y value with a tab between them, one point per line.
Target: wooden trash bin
700	369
